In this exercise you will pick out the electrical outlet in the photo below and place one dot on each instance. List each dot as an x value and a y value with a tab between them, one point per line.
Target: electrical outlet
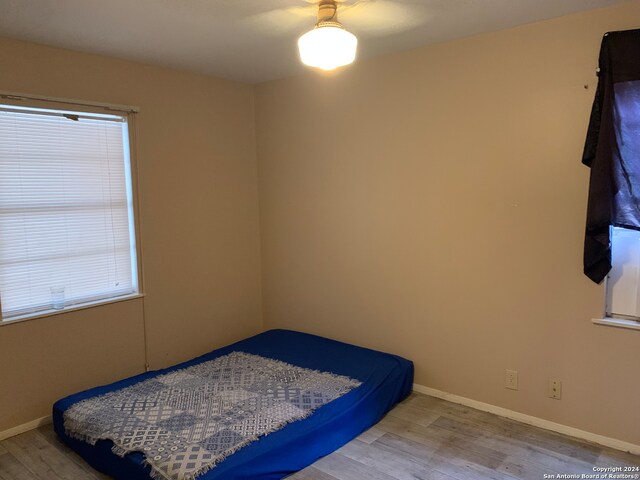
555	389
511	379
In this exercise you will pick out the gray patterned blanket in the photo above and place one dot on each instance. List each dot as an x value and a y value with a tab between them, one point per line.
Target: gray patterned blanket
187	421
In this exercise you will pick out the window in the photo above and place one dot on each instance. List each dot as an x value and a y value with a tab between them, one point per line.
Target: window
612	152
623	281
67	233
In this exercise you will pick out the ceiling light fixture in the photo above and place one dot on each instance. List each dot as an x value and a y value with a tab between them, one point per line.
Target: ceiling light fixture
328	45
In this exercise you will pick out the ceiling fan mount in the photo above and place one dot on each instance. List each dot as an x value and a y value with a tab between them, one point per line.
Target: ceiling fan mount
327	12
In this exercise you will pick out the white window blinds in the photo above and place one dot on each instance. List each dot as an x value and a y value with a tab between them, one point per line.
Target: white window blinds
623	281
66	216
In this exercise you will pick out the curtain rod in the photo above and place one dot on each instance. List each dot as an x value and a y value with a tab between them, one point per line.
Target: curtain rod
83	103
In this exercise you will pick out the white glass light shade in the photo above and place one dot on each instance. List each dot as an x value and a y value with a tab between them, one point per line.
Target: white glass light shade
327	47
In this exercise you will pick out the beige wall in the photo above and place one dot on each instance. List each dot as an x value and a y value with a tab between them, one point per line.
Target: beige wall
432	204
199	225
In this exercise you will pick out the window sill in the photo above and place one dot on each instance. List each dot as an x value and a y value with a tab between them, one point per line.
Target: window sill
72	308
617	322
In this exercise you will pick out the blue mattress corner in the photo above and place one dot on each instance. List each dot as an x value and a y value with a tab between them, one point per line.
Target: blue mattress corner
386	380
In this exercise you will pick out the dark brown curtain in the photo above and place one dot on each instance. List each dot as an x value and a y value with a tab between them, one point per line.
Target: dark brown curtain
612	149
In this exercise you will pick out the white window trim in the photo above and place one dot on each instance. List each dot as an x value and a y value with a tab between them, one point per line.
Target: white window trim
609	319
617	322
71	308
41	101
22	97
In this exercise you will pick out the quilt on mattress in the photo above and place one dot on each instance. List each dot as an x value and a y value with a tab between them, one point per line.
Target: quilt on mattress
188	420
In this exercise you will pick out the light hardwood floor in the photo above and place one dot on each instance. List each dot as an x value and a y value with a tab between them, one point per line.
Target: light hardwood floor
423	438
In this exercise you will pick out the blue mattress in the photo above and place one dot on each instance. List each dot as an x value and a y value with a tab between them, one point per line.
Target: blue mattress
386	380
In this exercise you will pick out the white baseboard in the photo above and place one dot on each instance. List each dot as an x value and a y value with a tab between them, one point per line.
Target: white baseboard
531	420
25	427
485	407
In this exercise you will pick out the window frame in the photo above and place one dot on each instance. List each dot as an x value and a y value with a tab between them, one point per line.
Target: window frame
89	107
609	318
610	286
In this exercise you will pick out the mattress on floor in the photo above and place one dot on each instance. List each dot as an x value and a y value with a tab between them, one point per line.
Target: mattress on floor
386	380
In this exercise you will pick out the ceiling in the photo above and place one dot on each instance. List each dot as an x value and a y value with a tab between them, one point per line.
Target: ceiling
255	40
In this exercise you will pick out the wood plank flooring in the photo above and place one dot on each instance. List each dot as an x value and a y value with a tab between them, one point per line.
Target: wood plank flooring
423	438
